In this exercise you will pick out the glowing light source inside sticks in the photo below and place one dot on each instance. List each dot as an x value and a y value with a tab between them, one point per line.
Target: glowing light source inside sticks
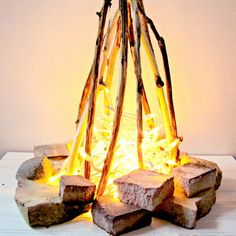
156	152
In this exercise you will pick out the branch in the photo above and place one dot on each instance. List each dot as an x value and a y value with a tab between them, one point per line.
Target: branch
159	83
119	100
138	73
92	99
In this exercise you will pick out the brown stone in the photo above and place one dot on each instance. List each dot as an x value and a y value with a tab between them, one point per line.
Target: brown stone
192	179
76	188
197	161
118	218
41	205
51	150
184	211
144	188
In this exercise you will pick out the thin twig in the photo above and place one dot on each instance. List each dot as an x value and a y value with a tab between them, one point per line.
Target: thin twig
85	95
135	27
120	99
159	83
110	69
161	43
145	103
92	99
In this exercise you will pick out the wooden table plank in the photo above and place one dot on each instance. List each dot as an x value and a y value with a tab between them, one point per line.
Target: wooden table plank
220	221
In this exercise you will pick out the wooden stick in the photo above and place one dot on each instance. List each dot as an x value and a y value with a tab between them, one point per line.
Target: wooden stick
110	69
107	44
72	159
162	46
85	95
159	83
92	99
119	99
138	73
145	103
87	87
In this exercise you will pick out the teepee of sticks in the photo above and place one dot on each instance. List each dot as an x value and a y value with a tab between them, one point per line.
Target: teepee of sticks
127	29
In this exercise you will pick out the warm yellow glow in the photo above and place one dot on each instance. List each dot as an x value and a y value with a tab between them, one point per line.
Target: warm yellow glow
156	151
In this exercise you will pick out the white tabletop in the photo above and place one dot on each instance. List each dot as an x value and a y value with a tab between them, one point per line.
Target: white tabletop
220	221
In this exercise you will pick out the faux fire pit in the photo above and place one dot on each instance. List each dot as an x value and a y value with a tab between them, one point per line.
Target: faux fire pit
126	168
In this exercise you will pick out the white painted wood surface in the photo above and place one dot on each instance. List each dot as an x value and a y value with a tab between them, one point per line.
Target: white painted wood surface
220	221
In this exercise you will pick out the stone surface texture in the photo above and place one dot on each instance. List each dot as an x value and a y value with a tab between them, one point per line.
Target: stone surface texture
145	189
192	179
41	205
118	218
76	189
184	211
30	169
201	162
51	150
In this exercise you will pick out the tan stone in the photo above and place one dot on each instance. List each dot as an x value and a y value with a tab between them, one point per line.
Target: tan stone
76	189
118	218
41	205
194	160
192	179
185	211
144	188
31	169
51	150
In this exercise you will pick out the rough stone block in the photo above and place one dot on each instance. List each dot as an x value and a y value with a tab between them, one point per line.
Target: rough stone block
192	179
144	188
184	211
31	169
51	150
201	162
76	189
118	218
41	205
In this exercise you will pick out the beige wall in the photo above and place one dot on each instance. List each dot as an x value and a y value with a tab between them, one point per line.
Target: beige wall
47	46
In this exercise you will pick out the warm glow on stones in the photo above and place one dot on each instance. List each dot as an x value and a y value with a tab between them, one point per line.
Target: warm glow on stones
156	151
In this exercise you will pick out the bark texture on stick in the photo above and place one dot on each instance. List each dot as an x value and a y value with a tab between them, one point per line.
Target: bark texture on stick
71	161
107	44
138	73
87	87
110	68
162	46
145	103
161	43
159	83
84	97
119	99
95	73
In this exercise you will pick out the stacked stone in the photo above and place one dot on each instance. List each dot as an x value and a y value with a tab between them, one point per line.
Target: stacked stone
45	205
181	198
193	198
140	192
